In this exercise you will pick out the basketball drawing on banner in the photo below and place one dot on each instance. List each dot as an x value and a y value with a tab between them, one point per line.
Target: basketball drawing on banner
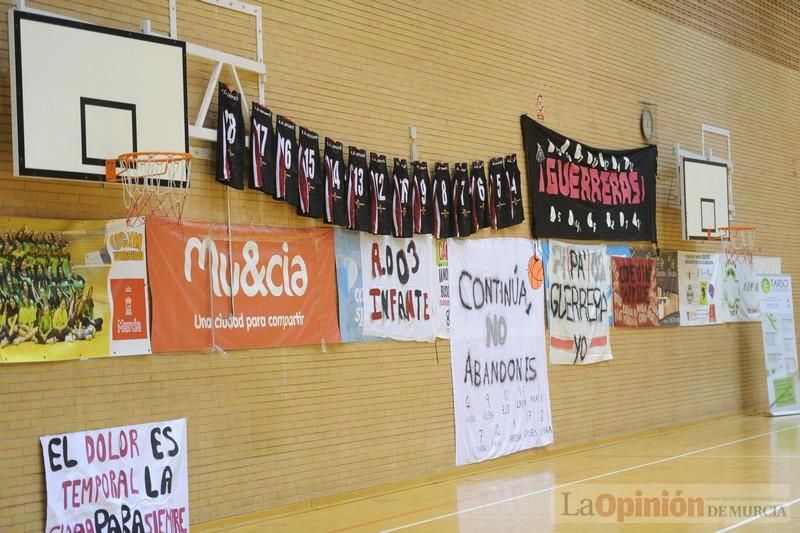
586	193
635	298
350	285
230	138
400	296
499	367
698	283
578	307
127	478
443	273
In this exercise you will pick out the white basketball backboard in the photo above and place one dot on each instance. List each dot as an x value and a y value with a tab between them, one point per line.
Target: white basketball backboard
705	198
83	93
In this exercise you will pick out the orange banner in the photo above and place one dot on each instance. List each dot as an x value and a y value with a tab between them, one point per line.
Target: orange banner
279	289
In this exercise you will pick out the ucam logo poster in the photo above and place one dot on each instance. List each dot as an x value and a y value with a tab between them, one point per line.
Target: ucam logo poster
128	478
578	303
350	286
400	296
698	283
266	287
780	344
635	298
497	346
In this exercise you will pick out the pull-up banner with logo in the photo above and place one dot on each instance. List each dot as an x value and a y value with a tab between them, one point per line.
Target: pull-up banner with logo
780	344
266	287
586	193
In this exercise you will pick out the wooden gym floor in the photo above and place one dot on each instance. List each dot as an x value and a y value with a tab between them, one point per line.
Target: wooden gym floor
729	473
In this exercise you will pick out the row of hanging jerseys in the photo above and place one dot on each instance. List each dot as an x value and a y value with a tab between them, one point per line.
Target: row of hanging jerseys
363	196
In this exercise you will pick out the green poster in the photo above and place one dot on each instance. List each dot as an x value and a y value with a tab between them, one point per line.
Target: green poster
784	391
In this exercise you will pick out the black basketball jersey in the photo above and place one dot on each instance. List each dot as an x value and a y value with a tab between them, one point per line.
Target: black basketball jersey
335	184
402	212
442	201
462	202
262	149
422	204
500	197
358	194
309	175
285	161
514	182
230	138
382	193
480	197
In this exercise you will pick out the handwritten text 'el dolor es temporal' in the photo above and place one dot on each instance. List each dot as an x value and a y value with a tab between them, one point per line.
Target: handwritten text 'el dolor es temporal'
127	467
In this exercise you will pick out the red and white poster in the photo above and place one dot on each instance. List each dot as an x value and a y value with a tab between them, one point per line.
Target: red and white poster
265	287
127	289
580	282
635	298
400	296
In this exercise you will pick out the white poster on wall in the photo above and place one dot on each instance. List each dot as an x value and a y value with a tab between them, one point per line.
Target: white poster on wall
578	303
128	289
399	293
740	291
780	344
500	388
698	285
127	478
739	286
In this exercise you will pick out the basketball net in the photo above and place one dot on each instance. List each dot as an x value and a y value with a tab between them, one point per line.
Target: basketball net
153	184
738	243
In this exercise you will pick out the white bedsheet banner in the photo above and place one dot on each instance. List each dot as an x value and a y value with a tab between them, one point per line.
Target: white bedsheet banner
497	346
579	279
400	296
127	478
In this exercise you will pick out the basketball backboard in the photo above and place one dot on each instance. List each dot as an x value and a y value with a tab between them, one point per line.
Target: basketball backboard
83	93
704	198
